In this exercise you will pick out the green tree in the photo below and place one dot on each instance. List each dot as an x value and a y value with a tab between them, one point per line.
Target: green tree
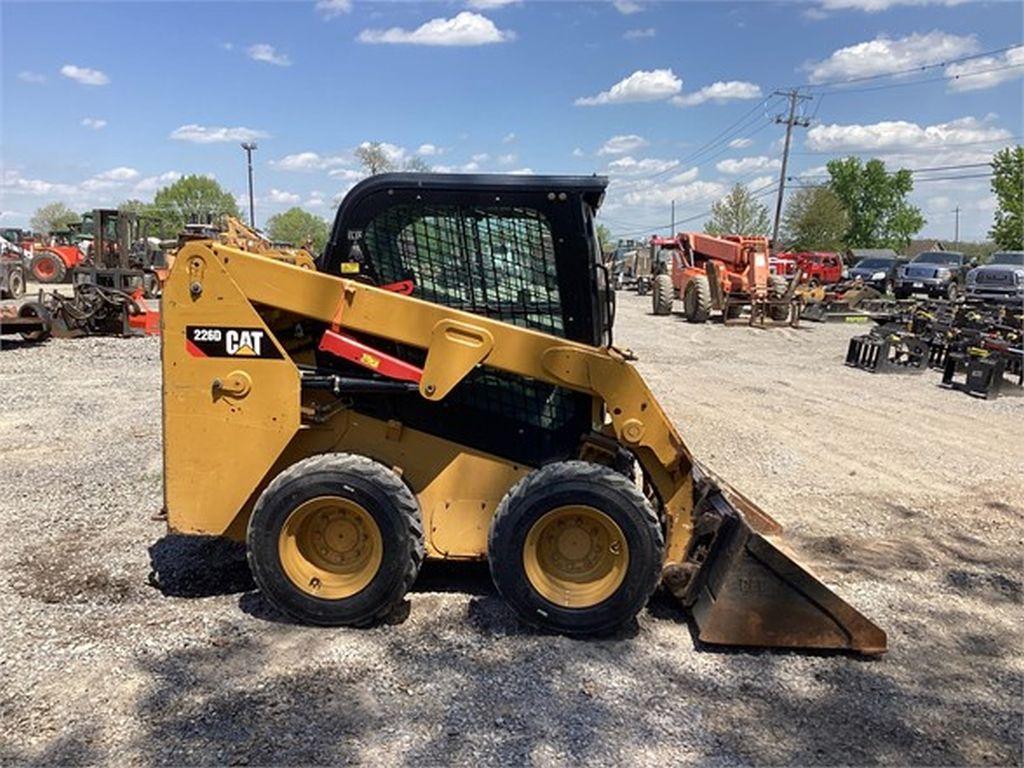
1008	186
815	220
604	235
53	217
295	226
876	203
191	199
738	213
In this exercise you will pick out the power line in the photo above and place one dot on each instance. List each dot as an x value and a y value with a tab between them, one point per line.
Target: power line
910	70
942	79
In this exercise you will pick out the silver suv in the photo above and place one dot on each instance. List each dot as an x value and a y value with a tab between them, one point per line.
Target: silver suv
1001	278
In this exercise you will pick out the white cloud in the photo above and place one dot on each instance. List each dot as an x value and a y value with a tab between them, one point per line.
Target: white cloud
683	190
93	122
84	75
720	92
734	166
508	138
315	200
466	28
875	6
522	172
619	145
901	135
203	134
227	46
508	159
429	150
761	182
987	71
480	157
627	166
308	161
489	5
31	77
640	34
884	55
280	197
642	85
577	152
346	174
153	183
269	54
627	7
331	8
12	182
740	143
121	173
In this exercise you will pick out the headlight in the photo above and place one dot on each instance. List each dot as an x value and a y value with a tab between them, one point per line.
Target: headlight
943	274
878	276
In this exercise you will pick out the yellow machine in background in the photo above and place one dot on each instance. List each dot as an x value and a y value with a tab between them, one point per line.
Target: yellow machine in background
447	388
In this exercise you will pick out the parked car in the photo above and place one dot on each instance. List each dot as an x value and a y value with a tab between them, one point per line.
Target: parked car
939	274
1001	278
877	271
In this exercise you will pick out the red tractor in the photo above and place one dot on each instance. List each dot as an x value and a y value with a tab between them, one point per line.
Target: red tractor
722	273
53	260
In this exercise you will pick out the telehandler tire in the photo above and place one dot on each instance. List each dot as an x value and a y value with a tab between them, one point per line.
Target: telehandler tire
697	300
335	539
48	267
777	288
662	295
575	548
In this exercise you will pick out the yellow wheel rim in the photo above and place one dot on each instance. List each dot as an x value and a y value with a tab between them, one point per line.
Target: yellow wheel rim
330	547
575	556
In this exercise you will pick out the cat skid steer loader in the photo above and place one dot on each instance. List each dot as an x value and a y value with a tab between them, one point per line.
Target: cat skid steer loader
445	386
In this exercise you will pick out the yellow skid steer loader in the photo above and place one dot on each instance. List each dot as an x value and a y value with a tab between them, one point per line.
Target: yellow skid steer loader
445	386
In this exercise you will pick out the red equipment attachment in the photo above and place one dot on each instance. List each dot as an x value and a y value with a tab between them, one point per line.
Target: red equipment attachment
357	352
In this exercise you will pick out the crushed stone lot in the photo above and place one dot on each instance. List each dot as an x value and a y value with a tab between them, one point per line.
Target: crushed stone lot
124	646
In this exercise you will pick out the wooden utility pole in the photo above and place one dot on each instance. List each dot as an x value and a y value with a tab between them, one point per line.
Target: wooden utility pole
795	97
956	237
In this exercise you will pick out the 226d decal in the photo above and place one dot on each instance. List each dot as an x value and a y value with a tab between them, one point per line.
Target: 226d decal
220	341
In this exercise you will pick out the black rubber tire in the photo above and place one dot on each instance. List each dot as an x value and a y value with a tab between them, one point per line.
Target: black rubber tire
952	291
60	270
35	309
15	283
697	300
382	494
662	295
901	293
575	482
777	288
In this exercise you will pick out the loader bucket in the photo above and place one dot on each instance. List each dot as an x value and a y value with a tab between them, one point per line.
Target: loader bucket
747	591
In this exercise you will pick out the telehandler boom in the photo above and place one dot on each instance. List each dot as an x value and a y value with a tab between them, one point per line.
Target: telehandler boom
446	387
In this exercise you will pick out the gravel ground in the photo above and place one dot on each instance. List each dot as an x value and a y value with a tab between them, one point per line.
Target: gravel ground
906	497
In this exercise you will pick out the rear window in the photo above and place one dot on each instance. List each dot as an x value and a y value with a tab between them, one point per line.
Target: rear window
1012	258
938	257
875	263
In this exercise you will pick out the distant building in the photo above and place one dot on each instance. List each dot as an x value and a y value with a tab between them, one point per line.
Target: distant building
918	247
853	255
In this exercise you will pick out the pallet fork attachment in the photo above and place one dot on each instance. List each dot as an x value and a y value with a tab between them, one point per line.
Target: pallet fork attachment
721	555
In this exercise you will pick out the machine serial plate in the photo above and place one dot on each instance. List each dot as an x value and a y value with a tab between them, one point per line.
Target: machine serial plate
222	341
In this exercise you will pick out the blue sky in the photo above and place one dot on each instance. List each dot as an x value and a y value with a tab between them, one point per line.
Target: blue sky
124	97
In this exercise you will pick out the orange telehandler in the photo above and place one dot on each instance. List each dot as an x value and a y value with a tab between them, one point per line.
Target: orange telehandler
721	273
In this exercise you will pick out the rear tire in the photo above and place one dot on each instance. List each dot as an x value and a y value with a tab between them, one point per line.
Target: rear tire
335	539
48	267
777	288
575	548
662	295
697	300
953	291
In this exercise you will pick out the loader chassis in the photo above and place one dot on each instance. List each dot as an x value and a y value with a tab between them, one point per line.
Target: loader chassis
497	364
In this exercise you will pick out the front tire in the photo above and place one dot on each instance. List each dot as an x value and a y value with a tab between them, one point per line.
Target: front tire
335	540
697	300
575	548
15	283
777	288
662	295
